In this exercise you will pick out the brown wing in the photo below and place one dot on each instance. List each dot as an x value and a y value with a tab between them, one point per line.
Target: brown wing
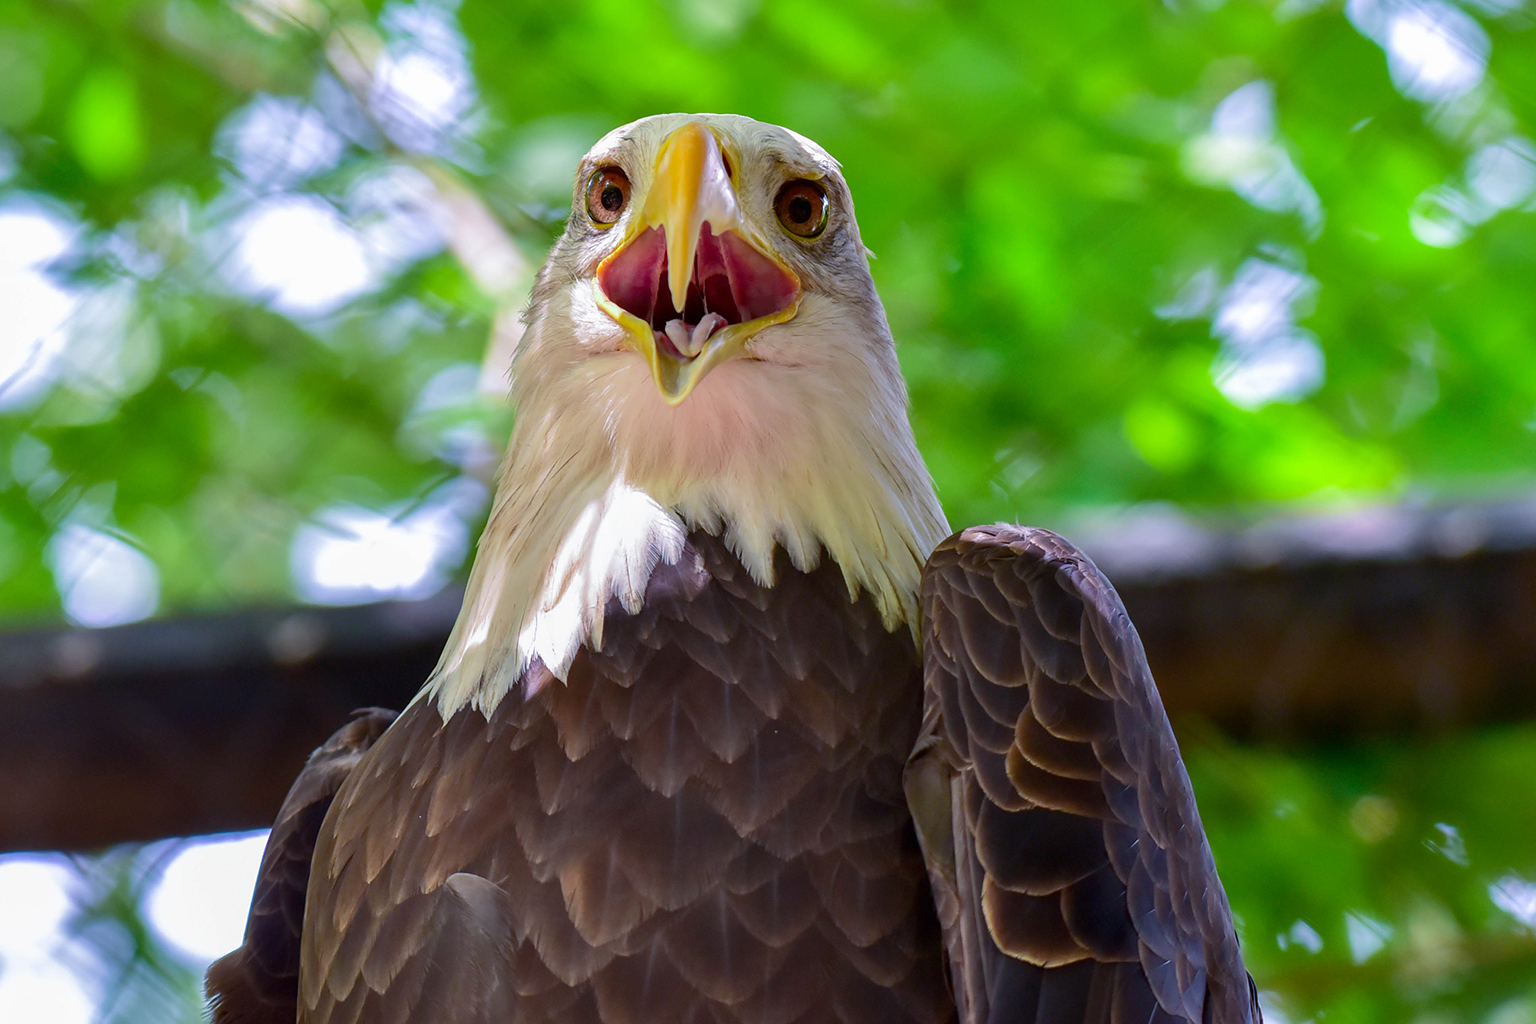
259	982
1071	872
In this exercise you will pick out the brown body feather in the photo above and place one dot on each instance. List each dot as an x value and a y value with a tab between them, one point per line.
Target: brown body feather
704	823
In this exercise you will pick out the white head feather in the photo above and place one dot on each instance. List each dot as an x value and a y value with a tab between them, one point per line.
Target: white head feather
803	444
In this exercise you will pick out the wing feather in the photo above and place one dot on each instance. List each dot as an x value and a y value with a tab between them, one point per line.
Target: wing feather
258	983
1072	876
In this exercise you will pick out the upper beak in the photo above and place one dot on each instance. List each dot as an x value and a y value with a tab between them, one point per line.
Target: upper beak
691	232
691	188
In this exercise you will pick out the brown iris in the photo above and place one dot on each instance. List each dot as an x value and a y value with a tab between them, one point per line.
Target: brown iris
607	194
802	208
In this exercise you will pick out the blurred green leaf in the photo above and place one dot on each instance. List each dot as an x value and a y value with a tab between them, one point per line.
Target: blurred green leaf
104	124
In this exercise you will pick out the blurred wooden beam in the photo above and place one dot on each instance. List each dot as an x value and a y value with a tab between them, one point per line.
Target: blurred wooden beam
1336	624
190	725
198	724
1342	651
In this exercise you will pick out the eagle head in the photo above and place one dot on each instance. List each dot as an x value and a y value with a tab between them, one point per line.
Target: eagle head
704	350
699	241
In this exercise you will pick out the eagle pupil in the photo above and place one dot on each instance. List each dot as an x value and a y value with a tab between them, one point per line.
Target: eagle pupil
612	198
800	209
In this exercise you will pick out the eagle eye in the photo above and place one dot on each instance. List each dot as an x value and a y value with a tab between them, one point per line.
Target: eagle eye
607	195
802	208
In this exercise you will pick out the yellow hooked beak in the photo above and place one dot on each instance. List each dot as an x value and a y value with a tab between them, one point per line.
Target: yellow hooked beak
692	188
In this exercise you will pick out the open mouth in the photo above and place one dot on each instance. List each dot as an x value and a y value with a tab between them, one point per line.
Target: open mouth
731	283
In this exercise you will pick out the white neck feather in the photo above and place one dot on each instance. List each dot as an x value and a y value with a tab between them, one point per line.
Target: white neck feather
603	480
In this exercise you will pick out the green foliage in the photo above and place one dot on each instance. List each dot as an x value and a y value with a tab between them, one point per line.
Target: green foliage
143	980
103	126
1060	223
1069	204
1367	881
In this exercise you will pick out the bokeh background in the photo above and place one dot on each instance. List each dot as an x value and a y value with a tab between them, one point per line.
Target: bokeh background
1158	272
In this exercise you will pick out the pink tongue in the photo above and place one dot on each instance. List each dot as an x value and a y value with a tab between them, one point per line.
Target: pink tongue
689	343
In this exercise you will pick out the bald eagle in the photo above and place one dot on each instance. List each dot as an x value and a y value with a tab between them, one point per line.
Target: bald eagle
727	731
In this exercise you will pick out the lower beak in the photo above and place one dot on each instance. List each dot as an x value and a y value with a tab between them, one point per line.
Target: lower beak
690	283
